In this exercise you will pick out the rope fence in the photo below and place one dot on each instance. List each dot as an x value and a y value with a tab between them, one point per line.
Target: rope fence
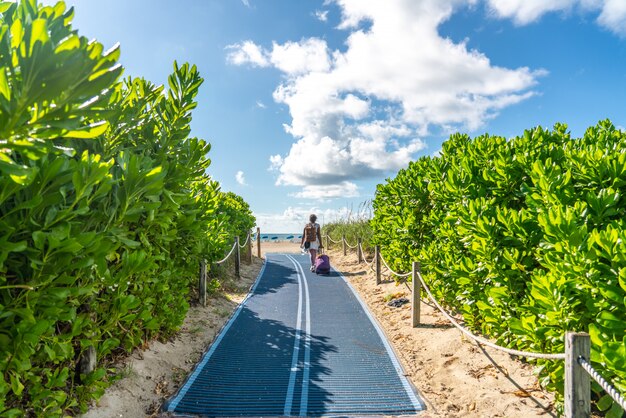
247	240
332	240
202	281
369	263
577	345
351	246
481	340
608	388
391	270
229	254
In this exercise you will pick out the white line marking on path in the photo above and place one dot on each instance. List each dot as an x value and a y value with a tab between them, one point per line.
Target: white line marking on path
304	398
296	349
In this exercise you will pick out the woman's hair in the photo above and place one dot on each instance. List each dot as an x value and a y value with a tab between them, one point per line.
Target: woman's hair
313	218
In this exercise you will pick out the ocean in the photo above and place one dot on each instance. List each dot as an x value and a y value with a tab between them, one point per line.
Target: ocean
269	237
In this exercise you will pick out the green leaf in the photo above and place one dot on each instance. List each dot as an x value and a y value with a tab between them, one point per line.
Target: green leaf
108	345
60	378
39	33
154	171
67	44
615	412
12	246
13	413
88	132
610	321
35	332
16	385
604	403
17	33
597	339
129	242
39	239
612	293
50	352
615	354
20	174
5	90
4	6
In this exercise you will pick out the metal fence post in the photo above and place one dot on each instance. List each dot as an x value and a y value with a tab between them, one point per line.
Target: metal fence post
237	258
343	241
359	253
417	289
202	283
377	259
258	242
577	381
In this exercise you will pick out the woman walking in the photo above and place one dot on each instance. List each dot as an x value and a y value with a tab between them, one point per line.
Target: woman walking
312	239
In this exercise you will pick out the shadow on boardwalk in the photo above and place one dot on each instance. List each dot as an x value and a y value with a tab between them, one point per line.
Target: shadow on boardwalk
249	371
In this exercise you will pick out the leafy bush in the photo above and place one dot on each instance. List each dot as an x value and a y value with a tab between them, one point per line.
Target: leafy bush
523	237
105	209
237	211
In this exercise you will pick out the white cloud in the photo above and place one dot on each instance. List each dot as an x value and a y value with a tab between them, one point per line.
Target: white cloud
276	161
402	67
344	189
613	16
321	15
612	12
309	55
240	178
260	104
293	219
325	161
246	52
360	112
526	11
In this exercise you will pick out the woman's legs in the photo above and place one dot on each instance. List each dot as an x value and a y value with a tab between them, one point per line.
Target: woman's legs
312	253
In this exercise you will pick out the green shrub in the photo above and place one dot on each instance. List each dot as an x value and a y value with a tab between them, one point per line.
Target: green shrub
523	237
105	209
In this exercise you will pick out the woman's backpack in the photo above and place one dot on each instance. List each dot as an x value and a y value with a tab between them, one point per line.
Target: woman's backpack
310	232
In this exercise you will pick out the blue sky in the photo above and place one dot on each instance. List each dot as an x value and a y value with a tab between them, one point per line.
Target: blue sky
308	104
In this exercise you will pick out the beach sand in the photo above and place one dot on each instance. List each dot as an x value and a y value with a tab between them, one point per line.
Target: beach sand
277	247
454	376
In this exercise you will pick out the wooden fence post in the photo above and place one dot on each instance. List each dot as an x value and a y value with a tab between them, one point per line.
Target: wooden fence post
237	258
87	362
327	242
249	248
417	289
258	242
343	240
359	253
202	283
377	260
88	359
577	382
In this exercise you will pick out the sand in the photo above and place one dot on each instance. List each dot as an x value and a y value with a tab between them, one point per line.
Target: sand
454	376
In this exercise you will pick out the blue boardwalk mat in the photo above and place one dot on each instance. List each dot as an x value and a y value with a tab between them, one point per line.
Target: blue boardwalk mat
299	345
